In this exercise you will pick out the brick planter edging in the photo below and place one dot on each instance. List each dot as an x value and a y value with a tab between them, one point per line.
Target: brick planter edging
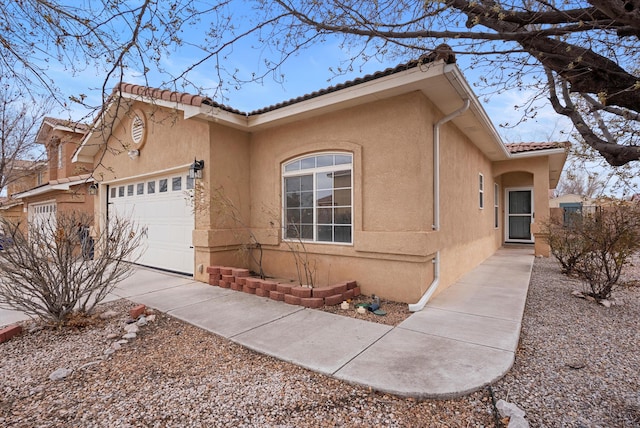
239	280
9	332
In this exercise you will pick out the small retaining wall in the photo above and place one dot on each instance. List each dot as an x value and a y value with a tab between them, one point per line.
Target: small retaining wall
239	279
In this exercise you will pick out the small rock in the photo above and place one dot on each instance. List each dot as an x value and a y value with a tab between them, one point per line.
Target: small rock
130	336
122	342
60	374
109	351
131	328
590	298
116	346
142	321
606	303
108	314
514	413
578	294
151	318
111	336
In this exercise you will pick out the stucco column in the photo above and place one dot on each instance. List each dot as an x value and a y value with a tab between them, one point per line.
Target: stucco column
541	207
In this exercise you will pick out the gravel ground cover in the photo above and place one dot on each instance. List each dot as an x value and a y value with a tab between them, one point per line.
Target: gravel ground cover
577	366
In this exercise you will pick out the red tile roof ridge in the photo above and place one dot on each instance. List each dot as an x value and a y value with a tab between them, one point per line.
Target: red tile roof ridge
534	146
198	100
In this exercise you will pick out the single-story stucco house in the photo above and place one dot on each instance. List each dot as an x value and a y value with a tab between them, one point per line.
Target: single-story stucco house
397	180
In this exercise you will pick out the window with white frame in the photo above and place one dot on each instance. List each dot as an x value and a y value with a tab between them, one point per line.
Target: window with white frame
481	190
496	205
318	198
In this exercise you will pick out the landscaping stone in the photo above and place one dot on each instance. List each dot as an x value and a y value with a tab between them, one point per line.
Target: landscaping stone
302	292
60	374
137	311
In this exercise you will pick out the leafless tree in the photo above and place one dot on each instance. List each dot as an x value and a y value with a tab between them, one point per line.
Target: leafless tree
580	54
59	269
575	182
20	117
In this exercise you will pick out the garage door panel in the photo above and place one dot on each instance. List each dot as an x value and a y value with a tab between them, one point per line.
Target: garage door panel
167	218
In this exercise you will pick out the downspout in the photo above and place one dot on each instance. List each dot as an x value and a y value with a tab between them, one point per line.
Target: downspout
415	307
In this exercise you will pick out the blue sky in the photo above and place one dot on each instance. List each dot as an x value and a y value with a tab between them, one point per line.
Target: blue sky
304	73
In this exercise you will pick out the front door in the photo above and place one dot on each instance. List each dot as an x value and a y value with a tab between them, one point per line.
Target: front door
519	215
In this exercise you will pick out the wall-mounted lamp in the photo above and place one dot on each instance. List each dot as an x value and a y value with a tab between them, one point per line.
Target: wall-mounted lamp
93	189
195	170
133	153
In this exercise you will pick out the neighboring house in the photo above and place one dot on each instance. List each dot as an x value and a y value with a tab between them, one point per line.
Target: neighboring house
397	180
62	185
25	175
570	205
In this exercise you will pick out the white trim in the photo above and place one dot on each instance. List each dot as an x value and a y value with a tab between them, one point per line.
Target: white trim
496	205
506	213
147	175
538	153
51	187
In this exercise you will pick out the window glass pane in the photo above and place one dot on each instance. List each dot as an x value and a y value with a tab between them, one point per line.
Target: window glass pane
343	159
292	184
520	202
324	160
176	183
325	216
130	190
342	179
324	198
121	191
306	182
293	200
162	185
342	234
306	199
306	231
293	215
151	187
293	166
324	180
113	192
307	163
307	215
325	233
190	183
140	189
342	197
342	216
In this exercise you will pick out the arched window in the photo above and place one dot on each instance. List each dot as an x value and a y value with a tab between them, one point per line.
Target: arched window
318	198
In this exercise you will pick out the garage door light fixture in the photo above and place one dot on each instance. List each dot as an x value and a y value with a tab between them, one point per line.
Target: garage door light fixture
195	170
93	189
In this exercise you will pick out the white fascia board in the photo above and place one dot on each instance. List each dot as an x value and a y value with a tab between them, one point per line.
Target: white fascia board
538	153
50	188
362	92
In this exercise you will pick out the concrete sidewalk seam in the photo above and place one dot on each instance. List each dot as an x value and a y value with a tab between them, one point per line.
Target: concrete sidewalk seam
363	350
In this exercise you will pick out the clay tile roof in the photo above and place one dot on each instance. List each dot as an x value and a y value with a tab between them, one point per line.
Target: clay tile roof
172	96
197	100
532	147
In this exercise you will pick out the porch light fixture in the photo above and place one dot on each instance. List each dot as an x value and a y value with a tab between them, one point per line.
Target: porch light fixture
195	170
133	153
93	189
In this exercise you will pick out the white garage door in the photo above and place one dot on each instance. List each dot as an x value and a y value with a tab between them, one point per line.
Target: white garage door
42	216
162	208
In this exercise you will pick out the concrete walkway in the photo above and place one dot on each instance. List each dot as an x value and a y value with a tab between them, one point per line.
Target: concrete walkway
464	339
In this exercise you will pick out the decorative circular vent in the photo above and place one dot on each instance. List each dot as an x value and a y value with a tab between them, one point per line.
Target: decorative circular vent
138	129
